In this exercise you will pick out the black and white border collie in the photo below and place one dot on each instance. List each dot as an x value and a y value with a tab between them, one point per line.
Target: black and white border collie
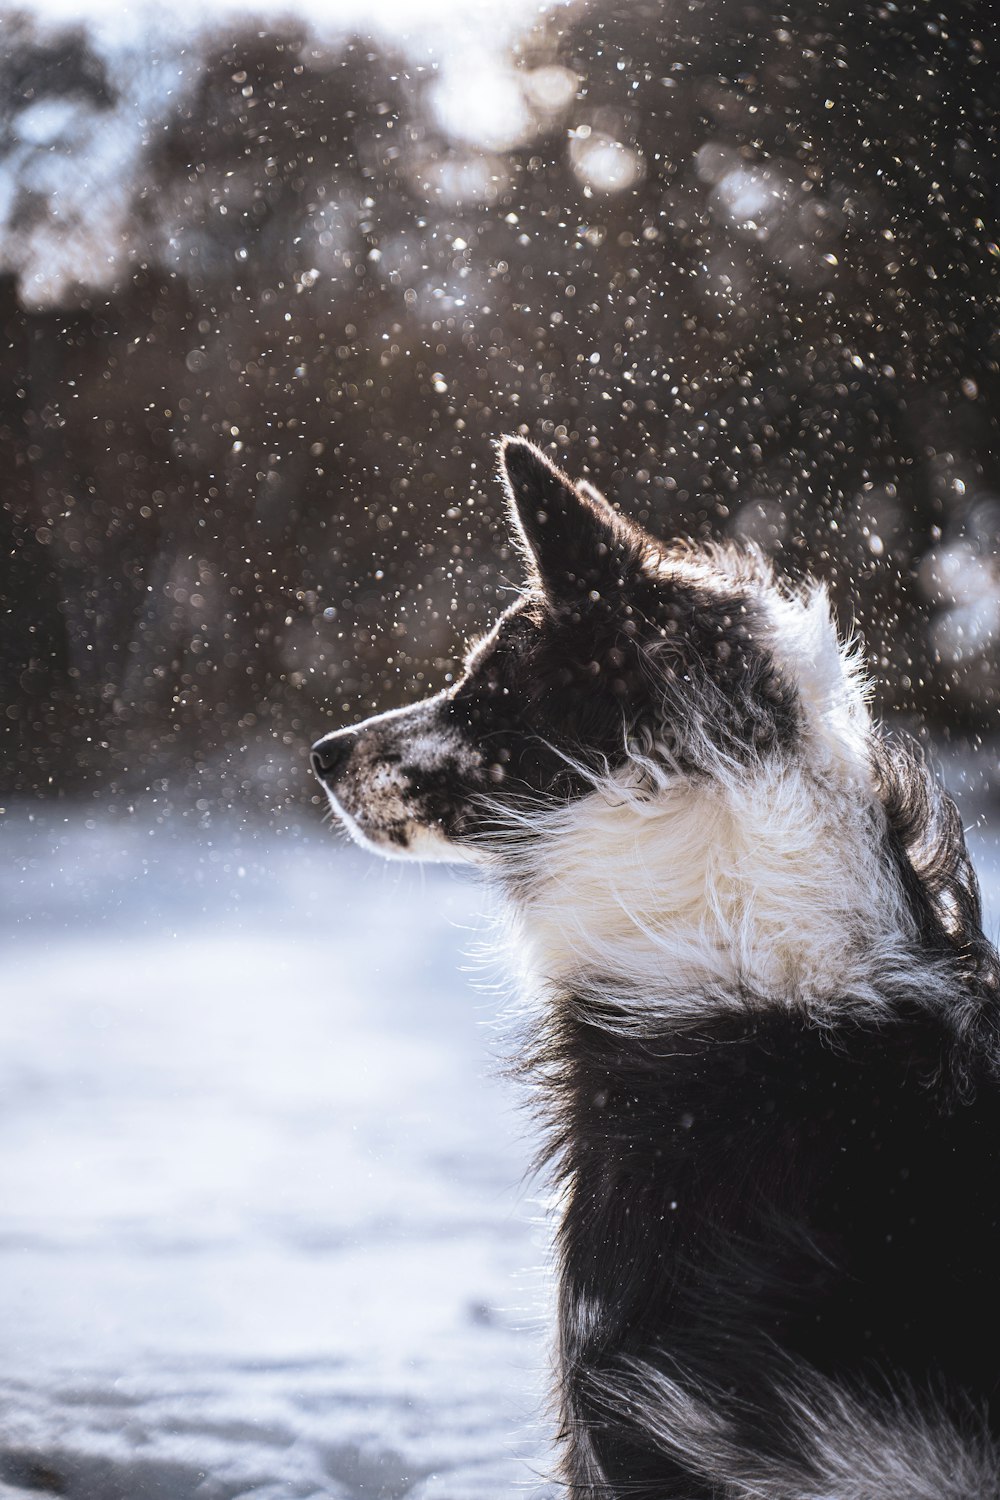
767	1036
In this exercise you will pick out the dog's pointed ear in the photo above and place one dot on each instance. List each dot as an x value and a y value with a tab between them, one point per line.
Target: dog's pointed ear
591	492
574	542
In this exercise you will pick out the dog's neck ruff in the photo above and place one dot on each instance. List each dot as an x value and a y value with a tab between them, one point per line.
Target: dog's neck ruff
769	879
695	893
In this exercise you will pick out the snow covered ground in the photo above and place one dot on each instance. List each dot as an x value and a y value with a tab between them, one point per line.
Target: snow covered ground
264	1226
264	1221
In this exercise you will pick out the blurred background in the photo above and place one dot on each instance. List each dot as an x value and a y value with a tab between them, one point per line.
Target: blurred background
272	282
271	287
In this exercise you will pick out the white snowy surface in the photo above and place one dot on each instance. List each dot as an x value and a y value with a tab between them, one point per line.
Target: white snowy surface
264	1222
264	1226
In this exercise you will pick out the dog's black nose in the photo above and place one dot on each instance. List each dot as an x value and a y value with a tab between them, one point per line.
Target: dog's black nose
328	756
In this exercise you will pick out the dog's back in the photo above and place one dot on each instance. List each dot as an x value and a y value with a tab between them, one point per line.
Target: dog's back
779	1243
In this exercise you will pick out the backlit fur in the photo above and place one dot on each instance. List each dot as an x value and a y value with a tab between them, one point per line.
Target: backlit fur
765	1046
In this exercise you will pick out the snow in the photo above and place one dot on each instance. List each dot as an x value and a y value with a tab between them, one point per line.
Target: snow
267	1227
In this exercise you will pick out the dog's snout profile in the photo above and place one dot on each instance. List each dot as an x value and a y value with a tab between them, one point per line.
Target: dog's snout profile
328	756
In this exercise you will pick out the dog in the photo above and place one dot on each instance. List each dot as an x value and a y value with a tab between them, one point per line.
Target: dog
766	1045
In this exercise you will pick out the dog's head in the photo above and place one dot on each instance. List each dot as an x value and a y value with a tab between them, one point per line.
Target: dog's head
622	656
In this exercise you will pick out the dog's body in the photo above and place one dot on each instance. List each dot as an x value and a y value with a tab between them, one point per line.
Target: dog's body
768	1043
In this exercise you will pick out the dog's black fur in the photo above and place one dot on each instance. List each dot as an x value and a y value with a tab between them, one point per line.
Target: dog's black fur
779	1248
755	1198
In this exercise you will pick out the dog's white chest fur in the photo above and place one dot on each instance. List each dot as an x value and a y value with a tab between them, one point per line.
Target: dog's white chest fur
771	886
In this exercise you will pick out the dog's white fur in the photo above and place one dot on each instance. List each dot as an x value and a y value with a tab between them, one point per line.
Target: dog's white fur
845	1451
766	880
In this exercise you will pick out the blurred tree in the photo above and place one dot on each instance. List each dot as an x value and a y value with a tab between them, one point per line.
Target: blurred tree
268	299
